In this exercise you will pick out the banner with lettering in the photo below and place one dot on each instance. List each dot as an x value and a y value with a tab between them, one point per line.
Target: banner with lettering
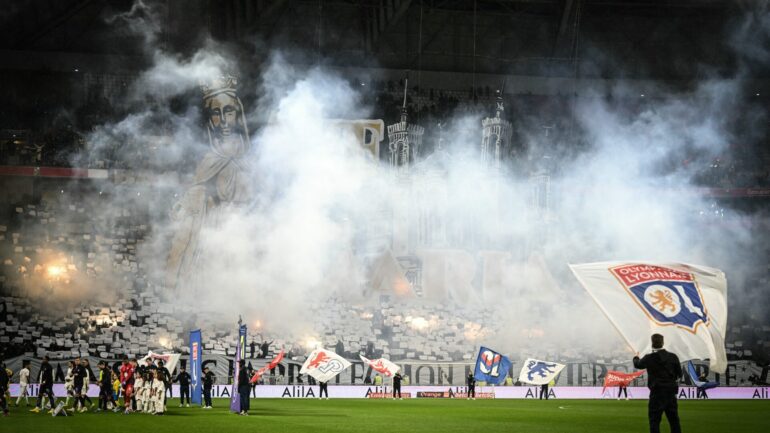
685	303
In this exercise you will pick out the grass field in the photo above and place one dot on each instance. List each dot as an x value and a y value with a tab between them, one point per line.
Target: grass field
354	415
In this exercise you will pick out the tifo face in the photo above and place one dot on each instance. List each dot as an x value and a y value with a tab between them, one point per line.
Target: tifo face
223	113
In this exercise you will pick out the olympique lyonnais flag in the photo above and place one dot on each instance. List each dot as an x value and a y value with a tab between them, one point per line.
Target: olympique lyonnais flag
170	360
196	357
381	365
323	365
537	372
267	367
687	304
619	378
240	349
491	367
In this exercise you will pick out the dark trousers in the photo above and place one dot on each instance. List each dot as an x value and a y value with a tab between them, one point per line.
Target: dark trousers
622	390
207	397
184	391
472	391
324	390
45	390
3	402
79	395
244	393
544	392
663	402
396	390
702	393
105	396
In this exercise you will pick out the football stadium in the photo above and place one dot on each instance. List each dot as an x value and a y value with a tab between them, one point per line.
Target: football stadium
385	215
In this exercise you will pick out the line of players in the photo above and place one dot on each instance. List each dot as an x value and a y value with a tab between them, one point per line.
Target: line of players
144	388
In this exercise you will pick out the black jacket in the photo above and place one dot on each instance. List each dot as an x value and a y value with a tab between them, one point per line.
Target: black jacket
471	381
46	374
243	380
90	373
663	370
80	373
165	376
106	381
397	379
208	379
183	379
4	379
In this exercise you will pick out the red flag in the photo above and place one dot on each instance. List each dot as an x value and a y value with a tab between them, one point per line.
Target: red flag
269	366
618	378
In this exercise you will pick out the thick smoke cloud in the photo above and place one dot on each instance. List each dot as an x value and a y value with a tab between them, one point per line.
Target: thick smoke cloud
315	189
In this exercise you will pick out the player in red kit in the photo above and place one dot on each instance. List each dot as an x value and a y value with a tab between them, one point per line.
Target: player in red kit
127	381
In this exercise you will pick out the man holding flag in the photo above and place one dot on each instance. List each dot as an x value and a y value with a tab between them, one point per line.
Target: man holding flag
244	388
471	382
664	371
685	303
542	373
621	380
397	386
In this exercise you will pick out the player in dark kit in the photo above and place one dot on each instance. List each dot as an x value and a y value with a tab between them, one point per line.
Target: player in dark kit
46	386
79	372
105	387
397	386
184	386
471	382
664	371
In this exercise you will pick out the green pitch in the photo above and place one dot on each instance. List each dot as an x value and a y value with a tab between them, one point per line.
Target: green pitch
378	416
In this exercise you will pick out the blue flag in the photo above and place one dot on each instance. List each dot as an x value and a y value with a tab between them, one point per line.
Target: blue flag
491	367
196	357
240	349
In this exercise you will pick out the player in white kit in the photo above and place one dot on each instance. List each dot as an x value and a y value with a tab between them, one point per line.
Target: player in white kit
23	383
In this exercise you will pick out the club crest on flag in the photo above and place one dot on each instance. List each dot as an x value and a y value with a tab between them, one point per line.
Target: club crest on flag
538	372
324	365
667	296
381	365
540	368
491	366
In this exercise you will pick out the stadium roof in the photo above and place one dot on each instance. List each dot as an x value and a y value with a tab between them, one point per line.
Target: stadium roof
663	39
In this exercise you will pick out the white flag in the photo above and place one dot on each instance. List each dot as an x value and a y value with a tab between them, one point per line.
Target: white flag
170	360
323	365
687	304
381	365
537	372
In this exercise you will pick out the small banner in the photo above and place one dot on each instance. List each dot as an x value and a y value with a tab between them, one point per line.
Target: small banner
269	366
619	378
196	373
